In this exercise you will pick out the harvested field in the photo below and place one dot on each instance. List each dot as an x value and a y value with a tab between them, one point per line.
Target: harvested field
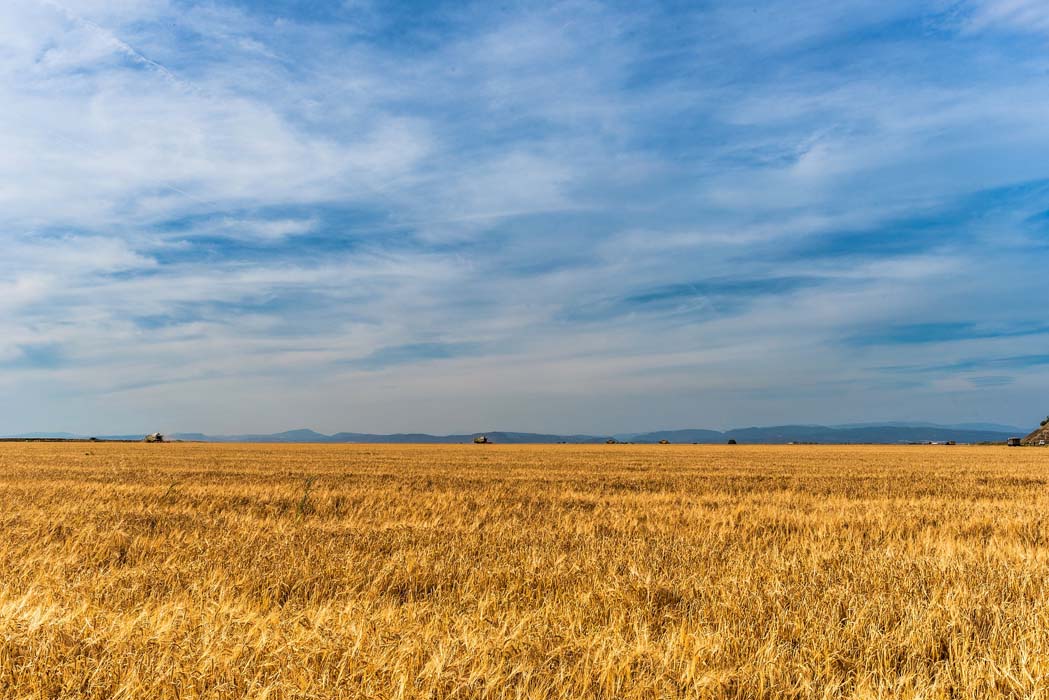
609	571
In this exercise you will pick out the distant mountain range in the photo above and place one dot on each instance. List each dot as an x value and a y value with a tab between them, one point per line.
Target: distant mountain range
878	433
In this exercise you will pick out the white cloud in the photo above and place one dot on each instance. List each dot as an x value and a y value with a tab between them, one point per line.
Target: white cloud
264	229
91	139
1016	15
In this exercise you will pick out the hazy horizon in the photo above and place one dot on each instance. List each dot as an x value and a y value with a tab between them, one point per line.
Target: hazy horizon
965	425
570	217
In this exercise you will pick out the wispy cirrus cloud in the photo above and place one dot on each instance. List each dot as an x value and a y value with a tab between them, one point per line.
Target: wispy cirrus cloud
1015	15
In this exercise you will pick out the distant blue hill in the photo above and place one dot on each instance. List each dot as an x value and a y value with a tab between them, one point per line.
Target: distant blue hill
871	433
304	435
695	435
989	427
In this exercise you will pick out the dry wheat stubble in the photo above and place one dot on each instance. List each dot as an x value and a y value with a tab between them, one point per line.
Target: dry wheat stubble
608	571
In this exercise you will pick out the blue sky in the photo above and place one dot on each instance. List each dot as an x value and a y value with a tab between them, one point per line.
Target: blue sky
574	217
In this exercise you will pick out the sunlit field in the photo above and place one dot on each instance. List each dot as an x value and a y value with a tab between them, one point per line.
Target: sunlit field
490	571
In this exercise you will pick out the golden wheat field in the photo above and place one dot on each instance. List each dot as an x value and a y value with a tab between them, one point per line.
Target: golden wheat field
611	571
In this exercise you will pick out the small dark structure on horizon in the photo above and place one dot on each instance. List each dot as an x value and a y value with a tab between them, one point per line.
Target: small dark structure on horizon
610	441
481	440
732	442
153	437
1013	442
664	442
